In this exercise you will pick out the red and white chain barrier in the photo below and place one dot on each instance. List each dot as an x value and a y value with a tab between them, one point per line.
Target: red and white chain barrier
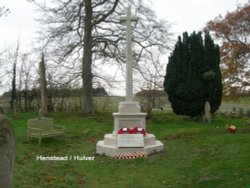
131	155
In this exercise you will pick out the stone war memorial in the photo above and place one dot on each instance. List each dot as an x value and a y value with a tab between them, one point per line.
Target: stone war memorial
129	134
7	152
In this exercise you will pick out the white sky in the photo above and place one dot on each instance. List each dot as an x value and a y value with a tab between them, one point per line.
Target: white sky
190	15
186	15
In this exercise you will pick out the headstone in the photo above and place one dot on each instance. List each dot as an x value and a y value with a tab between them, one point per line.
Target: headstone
7	152
248	122
207	111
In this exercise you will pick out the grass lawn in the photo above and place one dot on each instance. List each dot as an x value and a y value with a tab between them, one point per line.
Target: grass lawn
196	155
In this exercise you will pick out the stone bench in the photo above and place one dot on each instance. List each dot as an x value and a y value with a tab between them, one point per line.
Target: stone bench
43	127
7	152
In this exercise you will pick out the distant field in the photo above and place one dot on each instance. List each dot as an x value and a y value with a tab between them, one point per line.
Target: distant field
111	103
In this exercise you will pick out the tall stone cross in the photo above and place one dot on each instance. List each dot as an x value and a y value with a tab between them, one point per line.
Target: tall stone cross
129	60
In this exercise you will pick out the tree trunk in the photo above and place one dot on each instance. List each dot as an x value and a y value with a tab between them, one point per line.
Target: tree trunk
87	105
43	88
13	91
19	101
26	97
13	101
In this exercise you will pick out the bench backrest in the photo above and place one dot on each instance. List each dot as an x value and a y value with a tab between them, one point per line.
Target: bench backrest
41	123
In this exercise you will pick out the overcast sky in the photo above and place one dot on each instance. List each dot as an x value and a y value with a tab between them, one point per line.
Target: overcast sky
190	15
186	15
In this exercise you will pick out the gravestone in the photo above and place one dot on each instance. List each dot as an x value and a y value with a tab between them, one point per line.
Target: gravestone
129	114
7	152
207	112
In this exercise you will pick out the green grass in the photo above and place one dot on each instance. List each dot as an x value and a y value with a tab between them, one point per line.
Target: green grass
196	155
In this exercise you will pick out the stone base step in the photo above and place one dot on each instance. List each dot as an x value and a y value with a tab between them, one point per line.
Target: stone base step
111	151
111	140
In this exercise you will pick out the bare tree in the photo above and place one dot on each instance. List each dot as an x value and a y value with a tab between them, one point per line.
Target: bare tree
1	67
4	11
26	68
90	30
13	102
43	87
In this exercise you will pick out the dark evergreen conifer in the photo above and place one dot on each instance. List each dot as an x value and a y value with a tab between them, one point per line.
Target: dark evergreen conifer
193	75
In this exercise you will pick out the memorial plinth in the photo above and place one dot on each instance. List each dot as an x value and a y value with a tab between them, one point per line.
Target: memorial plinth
129	115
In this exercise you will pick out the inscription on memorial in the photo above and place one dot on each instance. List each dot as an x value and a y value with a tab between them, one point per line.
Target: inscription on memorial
130	140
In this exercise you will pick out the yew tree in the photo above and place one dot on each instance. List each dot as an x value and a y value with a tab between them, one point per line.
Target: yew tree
193	75
233	31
